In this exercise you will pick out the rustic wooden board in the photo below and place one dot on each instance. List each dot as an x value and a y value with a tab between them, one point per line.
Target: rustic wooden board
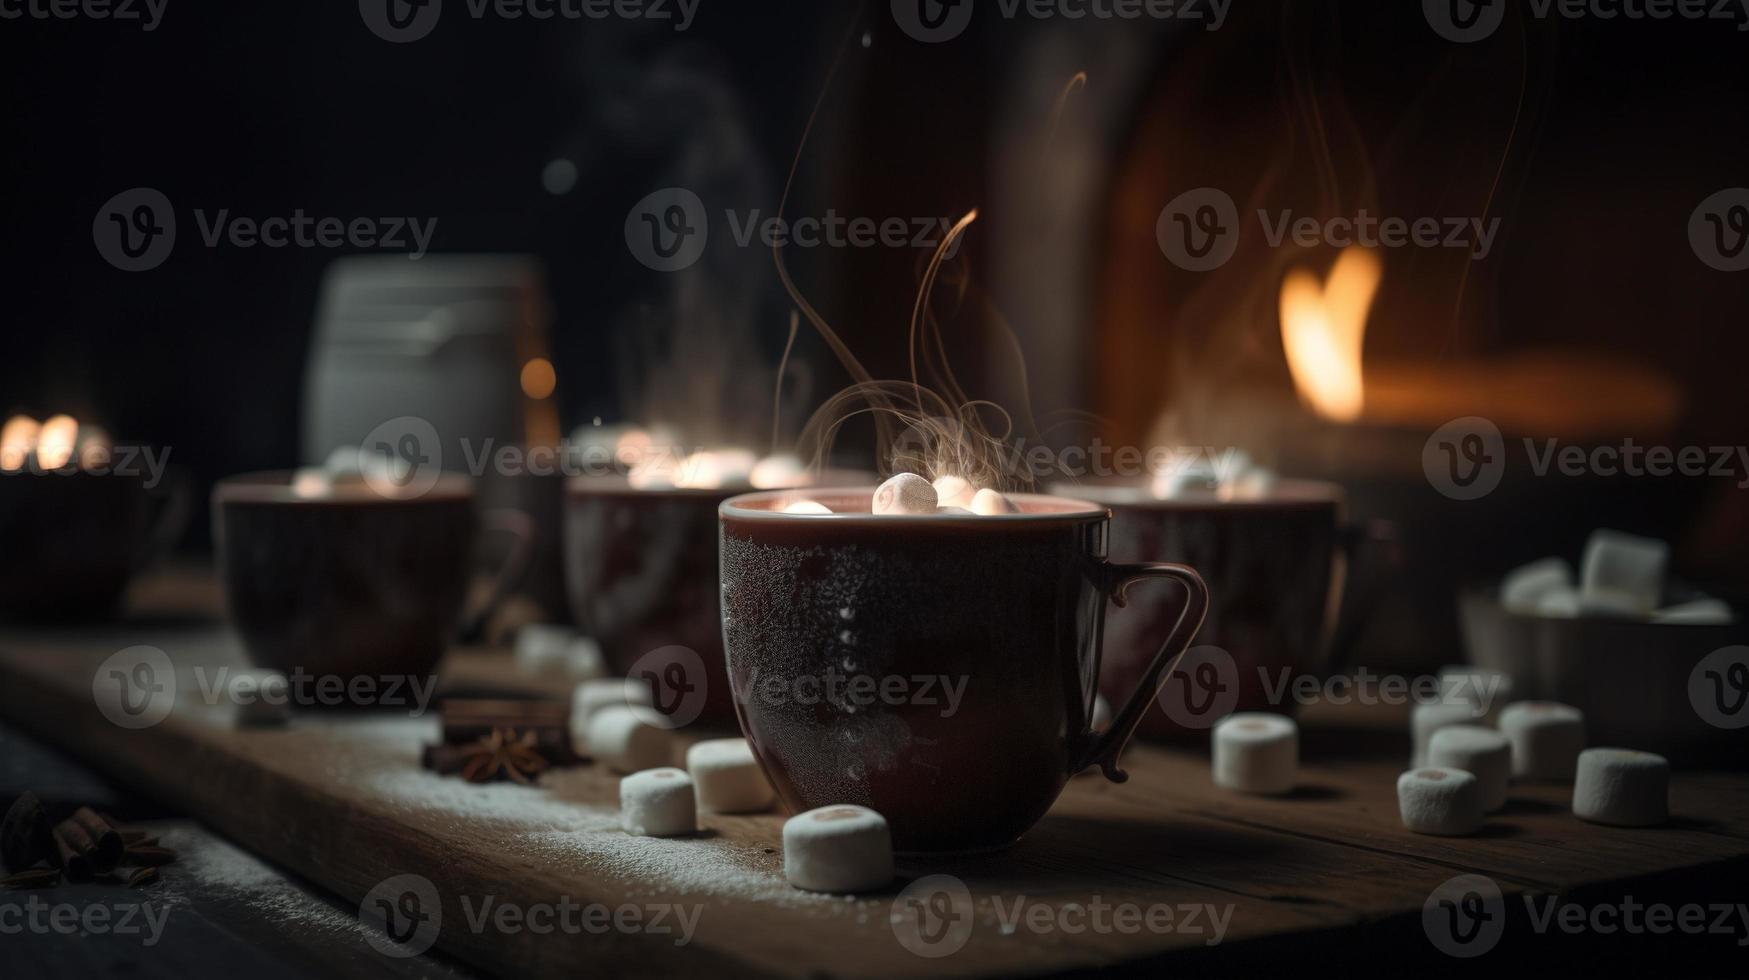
343	802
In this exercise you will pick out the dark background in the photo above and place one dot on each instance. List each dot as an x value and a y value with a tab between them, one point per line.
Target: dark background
269	106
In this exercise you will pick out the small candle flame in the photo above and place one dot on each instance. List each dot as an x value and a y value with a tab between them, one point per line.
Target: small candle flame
1323	327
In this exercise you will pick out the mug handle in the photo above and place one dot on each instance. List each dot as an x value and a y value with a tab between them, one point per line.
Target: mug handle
1105	749
520	527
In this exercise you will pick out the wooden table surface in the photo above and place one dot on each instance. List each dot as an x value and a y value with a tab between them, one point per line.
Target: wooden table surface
1230	883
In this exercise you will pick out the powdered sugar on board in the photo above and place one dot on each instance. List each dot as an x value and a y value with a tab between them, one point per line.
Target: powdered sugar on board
206	866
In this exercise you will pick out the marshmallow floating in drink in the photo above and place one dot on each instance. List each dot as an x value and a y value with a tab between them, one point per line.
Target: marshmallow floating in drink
629	738
1429	717
1622	574
1699	612
838	849
657	803
1481	752
728	777
1524	589
777	472
905	493
1546	738
1622	787
806	507
1257	752
988	503
1442	802
954	491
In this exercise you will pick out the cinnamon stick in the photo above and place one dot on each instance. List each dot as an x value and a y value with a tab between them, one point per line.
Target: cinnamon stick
106	840
74	864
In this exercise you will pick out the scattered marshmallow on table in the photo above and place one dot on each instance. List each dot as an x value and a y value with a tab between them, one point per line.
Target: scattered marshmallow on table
1622	787
1257	752
1430	716
1700	612
988	502
1622	574
1546	738
839	849
629	738
954	491
1482	752
806	507
1524	588
727	776
905	493
263	698
583	660
657	803
1443	802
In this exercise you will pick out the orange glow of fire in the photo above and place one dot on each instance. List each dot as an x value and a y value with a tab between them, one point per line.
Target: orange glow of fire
51	444
1323	328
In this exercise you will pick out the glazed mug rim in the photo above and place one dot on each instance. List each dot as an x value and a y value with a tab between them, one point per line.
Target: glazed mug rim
1061	510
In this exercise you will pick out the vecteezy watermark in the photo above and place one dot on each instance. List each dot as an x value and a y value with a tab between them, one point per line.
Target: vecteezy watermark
934	917
667	230
1465	459
146	13
1718	229
138	687
405	917
850	691
96	460
1718	688
679	685
1466	917
404	21
136	230
132	919
935	21
1199	230
1206	684
1466	21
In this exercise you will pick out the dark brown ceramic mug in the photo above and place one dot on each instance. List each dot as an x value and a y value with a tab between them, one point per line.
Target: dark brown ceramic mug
976	641
351	582
1276	567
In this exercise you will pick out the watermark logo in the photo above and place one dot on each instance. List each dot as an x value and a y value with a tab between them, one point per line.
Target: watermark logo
400	21
1719	688
1465	458
135	688
679	687
933	916
1465	916
668	229
1464	21
402	457
850	691
41	918
1201	689
404	915
1718	230
1199	229
147	13
932	21
135	230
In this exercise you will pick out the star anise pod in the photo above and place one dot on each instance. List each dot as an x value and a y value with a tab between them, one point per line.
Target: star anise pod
504	754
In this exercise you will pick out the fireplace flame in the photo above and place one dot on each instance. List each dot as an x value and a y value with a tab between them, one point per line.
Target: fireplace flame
1323	327
51	444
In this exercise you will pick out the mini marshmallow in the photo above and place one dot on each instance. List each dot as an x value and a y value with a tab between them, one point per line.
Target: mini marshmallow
630	738
1546	738
1257	752
657	803
1622	788
263	698
1524	587
583	660
905	493
1700	612
806	507
989	502
954	491
1443	802
593	695
540	646
1481	687
1188	479
1622	574
1562	603
839	849
1429	717
728	777
952	512
1482	752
